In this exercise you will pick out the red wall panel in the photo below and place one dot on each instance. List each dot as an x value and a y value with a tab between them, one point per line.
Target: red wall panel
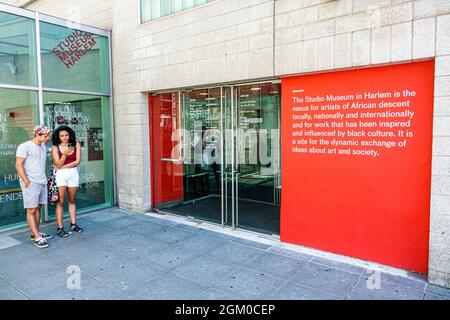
373	203
167	177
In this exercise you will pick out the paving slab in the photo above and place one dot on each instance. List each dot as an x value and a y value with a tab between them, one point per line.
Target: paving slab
331	280
250	243
173	235
248	284
8	292
213	294
201	243
125	273
291	253
339	265
437	291
205	270
236	253
292	291
167	287
276	265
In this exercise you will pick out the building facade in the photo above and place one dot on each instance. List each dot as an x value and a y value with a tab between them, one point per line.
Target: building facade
226	65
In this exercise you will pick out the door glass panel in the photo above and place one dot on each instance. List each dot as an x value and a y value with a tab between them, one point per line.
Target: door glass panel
187	153
257	156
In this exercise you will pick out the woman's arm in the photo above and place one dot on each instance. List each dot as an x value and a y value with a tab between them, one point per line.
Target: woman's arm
57	161
77	161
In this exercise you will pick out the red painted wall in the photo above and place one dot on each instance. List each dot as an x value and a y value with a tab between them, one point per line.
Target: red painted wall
373	203
167	177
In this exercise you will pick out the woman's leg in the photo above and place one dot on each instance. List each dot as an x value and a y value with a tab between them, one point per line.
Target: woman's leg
60	206
72	192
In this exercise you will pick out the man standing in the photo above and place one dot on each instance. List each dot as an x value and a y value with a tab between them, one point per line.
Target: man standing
30	165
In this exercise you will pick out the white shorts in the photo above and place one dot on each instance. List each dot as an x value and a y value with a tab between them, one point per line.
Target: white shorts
67	177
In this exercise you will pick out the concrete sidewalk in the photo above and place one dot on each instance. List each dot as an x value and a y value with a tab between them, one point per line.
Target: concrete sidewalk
124	255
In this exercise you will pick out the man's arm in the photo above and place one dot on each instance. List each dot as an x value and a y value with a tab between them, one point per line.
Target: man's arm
21	171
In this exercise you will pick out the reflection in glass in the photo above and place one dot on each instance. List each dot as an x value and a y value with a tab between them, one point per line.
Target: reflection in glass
88	117
17	50
17	120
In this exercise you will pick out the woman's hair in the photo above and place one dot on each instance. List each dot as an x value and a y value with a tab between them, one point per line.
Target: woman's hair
72	137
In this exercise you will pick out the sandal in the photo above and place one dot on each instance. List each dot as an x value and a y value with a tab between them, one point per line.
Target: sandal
75	228
61	233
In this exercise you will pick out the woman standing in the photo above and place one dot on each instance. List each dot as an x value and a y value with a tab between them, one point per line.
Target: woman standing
66	153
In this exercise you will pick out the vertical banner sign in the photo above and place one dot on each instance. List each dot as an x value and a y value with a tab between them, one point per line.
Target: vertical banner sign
356	162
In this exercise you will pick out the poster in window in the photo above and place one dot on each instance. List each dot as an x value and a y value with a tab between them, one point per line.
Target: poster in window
95	144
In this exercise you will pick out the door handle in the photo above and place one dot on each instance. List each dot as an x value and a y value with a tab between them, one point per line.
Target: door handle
171	160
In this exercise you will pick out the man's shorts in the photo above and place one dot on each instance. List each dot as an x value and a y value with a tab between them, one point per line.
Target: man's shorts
34	195
67	177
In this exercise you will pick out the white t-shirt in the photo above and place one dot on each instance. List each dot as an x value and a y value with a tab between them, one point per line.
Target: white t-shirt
35	157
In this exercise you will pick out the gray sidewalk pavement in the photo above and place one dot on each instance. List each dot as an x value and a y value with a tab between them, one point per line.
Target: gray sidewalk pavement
125	255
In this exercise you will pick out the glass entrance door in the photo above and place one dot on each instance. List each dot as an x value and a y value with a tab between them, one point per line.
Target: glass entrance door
187	153
215	155
253	156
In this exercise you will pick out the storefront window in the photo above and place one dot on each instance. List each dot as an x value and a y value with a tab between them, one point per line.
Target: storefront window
17	50
73	59
88	116
17	120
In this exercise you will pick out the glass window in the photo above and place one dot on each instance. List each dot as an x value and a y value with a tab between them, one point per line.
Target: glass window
146	13
166	8
177	5
88	116
188	4
199	2
73	59
154	9
18	64
18	109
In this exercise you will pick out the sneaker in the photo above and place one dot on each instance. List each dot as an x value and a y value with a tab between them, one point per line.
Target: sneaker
40	243
46	236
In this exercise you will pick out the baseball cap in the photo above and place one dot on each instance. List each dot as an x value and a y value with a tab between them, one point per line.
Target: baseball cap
41	130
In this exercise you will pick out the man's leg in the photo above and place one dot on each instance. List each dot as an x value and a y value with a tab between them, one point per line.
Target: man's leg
31	203
31	219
